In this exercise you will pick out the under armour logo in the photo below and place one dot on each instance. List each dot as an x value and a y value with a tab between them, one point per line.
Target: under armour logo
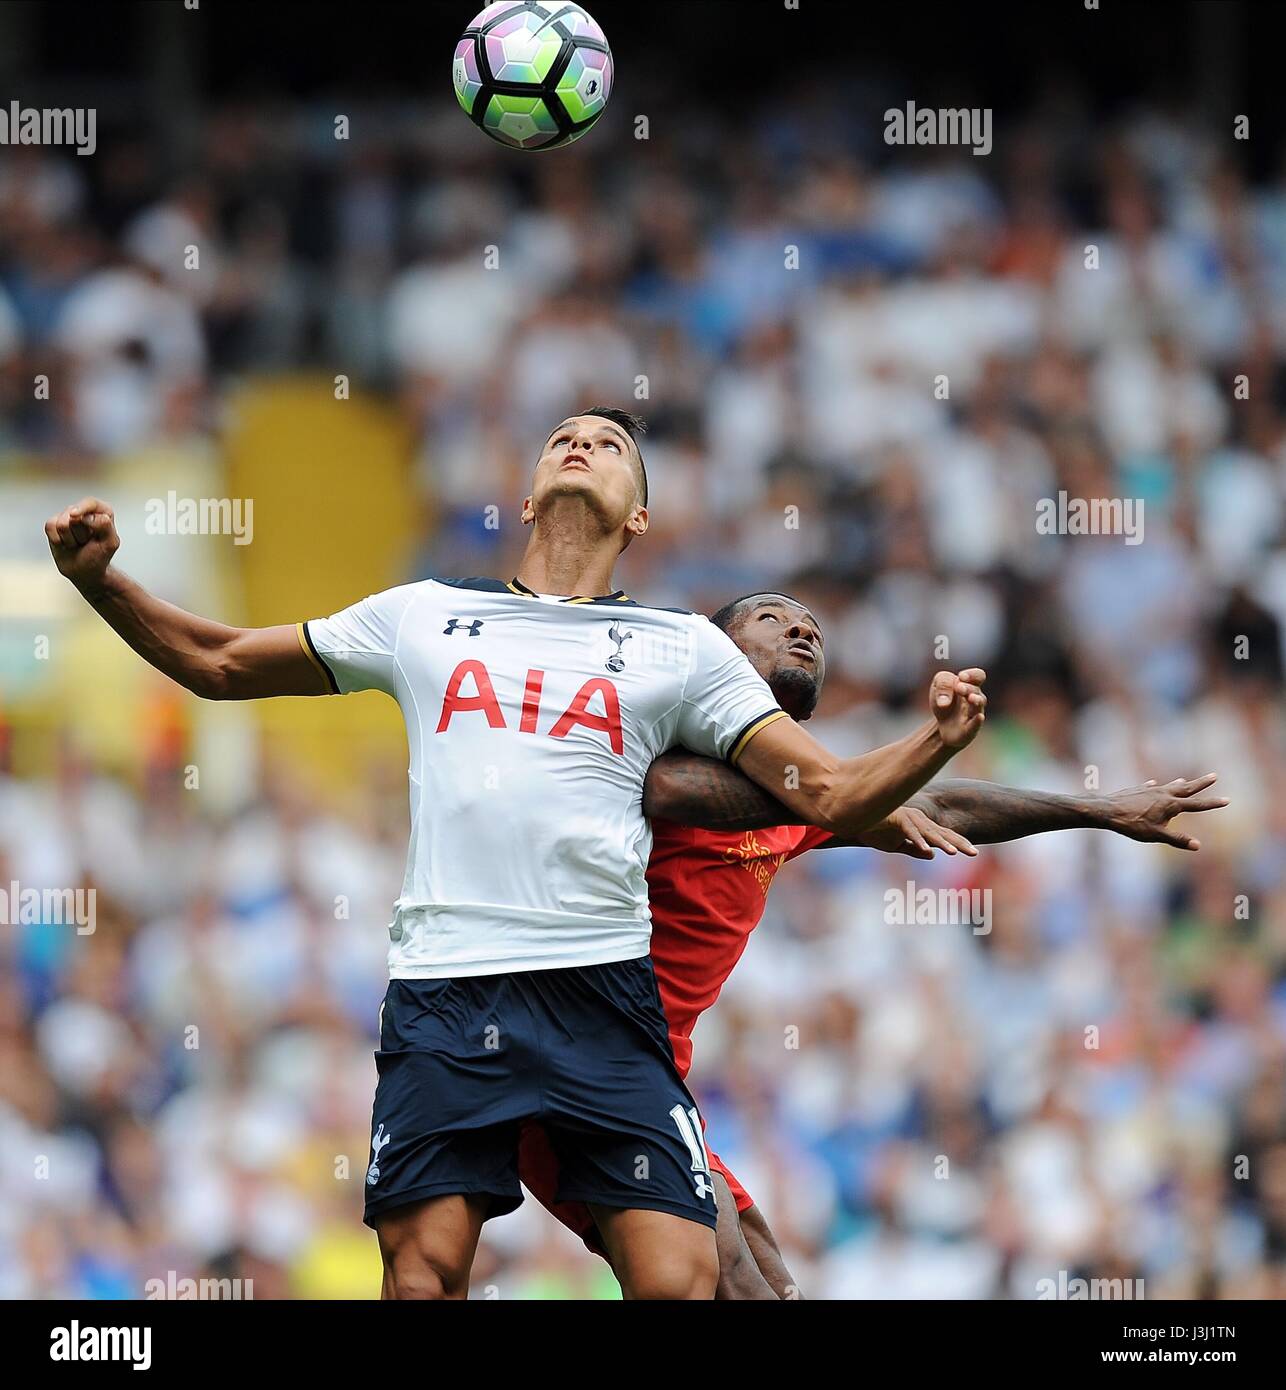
474	629
616	662
379	1142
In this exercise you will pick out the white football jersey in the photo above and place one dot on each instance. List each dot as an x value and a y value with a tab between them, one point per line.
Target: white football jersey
532	720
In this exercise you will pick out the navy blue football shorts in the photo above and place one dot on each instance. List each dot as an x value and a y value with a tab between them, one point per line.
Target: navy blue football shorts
584	1051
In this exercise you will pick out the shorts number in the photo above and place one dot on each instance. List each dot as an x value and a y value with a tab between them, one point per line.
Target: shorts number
688	1123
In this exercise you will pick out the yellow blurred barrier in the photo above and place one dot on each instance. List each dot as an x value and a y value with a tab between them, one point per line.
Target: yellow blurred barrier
335	516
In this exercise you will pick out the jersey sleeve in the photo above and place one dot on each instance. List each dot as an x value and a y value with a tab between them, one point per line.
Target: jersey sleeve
354	648
725	700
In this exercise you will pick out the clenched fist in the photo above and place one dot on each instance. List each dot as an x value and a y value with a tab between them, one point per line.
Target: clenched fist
958	705
82	540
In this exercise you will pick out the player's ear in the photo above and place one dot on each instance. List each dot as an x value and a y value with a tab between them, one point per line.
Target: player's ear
528	512
636	523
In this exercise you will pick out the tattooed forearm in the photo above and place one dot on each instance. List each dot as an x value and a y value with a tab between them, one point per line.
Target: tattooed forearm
691	790
987	813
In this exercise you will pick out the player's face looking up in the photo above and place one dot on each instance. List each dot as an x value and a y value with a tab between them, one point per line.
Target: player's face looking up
783	642
593	461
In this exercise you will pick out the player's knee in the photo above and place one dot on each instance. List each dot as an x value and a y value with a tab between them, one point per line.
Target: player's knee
682	1274
414	1270
411	1276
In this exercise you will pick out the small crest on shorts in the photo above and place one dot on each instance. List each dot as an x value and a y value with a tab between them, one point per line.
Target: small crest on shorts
378	1143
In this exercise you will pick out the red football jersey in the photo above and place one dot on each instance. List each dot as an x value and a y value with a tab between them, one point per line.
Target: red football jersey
707	889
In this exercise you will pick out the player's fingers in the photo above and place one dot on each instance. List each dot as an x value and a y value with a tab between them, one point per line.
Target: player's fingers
1202	803
62	524
1198	784
952	840
975	675
915	851
88	505
913	833
89	517
1178	838
94	523
969	692
942	690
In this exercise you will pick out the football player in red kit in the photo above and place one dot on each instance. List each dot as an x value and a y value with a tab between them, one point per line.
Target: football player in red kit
718	842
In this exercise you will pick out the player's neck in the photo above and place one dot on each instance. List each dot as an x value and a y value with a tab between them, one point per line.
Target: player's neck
569	555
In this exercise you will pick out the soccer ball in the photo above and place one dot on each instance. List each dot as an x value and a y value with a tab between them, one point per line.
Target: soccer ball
533	74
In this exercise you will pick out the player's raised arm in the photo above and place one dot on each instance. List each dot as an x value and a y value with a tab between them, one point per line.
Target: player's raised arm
990	814
850	795
210	659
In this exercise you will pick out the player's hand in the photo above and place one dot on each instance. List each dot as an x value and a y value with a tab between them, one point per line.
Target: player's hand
913	832
958	705
82	540
1144	813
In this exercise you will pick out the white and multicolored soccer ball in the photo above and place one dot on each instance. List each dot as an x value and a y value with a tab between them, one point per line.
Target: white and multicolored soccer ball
533	74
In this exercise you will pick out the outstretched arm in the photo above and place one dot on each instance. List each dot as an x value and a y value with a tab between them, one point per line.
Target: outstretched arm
988	813
692	790
210	659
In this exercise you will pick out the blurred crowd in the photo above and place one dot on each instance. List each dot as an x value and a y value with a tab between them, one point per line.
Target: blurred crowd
863	369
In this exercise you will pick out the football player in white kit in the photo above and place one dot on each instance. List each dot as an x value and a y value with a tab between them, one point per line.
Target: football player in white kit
520	983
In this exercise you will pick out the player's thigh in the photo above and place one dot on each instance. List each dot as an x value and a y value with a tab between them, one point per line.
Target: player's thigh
739	1275
448	1108
763	1246
622	1123
656	1255
428	1246
651	1198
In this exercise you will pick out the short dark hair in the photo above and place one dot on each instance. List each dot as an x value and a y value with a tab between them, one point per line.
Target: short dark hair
633	425
730	612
